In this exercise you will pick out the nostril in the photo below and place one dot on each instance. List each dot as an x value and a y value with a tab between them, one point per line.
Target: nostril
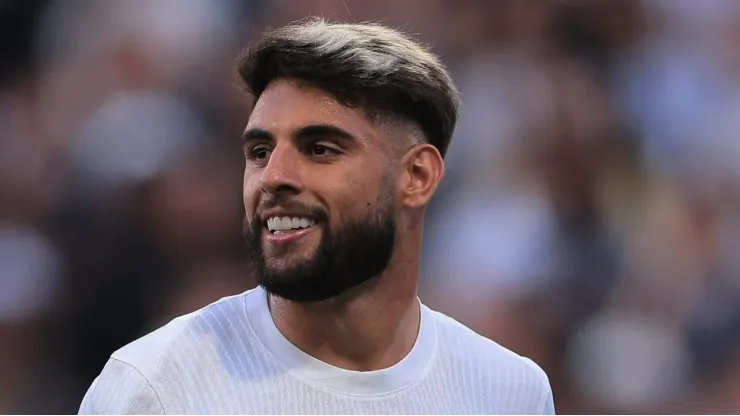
280	189
285	189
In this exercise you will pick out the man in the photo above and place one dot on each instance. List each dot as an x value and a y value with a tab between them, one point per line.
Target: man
344	148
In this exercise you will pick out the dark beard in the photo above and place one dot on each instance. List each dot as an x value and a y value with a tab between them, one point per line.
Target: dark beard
346	257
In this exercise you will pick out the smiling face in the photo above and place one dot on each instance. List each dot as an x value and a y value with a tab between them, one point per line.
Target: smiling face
319	194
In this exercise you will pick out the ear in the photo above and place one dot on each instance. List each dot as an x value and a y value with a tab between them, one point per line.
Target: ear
423	169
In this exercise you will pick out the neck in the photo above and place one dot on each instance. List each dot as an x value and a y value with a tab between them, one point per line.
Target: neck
372	328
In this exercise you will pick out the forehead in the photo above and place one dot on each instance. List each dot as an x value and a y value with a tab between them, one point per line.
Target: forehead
287	105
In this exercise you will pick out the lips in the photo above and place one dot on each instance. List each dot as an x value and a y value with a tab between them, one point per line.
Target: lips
282	224
282	236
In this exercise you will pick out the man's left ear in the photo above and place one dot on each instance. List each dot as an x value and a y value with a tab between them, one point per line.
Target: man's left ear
423	169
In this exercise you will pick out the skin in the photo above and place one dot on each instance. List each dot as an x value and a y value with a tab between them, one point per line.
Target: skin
374	325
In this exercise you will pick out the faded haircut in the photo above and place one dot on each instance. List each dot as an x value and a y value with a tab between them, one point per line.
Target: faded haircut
366	65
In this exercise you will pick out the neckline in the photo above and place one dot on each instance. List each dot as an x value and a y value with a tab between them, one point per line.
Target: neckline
409	370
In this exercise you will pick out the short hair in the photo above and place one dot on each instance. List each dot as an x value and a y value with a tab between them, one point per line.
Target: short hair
365	65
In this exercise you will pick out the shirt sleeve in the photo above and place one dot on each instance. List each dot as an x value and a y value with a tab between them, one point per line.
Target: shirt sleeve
549	407
121	389
548	404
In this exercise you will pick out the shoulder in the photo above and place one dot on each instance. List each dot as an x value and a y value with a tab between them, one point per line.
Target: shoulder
465	344
121	389
476	356
169	361
185	336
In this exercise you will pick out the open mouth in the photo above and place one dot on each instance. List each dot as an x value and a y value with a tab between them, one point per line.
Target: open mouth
283	225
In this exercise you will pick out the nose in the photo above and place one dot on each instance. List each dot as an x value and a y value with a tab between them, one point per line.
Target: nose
281	174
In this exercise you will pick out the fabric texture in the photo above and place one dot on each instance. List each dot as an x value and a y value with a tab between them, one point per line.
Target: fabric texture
230	358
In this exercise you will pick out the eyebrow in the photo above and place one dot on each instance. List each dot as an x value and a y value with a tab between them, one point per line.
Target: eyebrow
324	130
311	131
256	134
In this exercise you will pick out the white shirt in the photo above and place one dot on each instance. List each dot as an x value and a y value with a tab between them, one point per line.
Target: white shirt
230	358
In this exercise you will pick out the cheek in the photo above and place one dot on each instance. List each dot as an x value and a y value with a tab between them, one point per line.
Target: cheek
354	196
250	193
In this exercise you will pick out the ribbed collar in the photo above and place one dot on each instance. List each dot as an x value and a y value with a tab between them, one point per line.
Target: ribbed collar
410	369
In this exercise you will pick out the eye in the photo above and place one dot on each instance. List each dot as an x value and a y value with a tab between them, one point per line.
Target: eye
321	150
258	153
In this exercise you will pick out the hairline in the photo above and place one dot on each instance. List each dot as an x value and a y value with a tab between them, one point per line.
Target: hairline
410	127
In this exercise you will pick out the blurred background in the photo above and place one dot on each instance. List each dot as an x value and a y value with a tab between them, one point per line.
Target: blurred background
589	218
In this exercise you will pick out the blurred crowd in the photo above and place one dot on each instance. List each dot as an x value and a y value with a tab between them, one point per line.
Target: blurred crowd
588	218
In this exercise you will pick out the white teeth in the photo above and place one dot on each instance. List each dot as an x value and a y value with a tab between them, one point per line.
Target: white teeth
287	223
282	224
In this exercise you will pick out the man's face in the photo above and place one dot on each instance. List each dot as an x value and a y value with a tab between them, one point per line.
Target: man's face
319	194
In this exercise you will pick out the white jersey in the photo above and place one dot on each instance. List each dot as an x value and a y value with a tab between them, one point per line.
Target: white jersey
230	358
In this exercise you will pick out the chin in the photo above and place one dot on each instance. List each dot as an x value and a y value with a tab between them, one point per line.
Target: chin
287	259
